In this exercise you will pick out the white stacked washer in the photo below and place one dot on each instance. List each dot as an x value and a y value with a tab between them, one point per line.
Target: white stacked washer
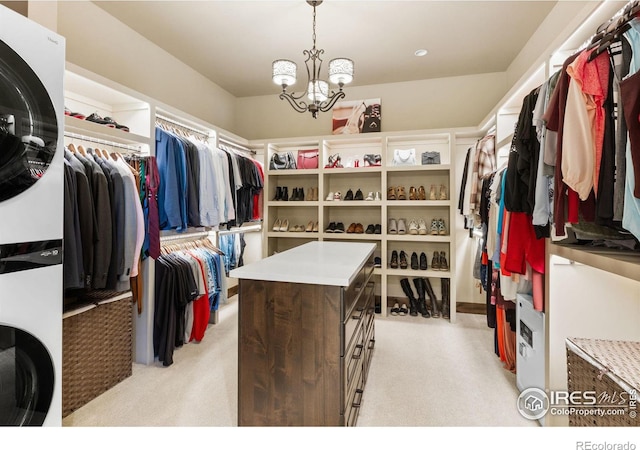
32	62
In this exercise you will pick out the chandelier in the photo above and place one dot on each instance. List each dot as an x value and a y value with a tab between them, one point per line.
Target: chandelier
316	98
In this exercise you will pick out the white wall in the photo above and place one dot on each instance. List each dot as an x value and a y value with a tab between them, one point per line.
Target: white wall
588	303
416	105
98	42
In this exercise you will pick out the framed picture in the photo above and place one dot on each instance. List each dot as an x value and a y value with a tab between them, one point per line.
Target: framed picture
356	116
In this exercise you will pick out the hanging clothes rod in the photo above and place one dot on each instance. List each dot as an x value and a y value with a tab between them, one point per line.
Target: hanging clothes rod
162	118
602	28
102	141
246	229
233	146
184	236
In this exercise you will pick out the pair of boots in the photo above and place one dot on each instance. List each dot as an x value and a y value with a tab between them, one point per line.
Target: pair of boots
419	304
282	193
445	284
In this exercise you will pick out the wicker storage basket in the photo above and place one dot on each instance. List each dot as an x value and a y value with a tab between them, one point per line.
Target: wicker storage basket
609	368
97	349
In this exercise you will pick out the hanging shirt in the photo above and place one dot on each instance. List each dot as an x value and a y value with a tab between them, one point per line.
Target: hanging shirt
584	122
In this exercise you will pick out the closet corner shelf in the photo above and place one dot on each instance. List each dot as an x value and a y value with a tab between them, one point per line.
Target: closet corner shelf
425	167
623	263
96	130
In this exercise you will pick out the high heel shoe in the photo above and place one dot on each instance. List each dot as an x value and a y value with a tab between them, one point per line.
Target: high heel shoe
370	159
335	162
276	225
284	225
331	161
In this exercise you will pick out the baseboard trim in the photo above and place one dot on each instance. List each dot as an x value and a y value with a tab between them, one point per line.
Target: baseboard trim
471	308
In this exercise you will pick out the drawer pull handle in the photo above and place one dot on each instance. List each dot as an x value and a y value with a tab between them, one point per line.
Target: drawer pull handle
372	343
357	354
357	403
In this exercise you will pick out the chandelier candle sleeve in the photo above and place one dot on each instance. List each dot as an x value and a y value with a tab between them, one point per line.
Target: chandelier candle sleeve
317	90
284	72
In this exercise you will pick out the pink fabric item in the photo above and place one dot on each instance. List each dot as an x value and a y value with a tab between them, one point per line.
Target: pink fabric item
594	80
537	281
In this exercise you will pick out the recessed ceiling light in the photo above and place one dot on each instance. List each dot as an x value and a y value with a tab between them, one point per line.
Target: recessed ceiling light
421	52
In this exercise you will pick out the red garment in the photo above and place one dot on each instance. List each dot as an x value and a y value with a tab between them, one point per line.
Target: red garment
523	246
258	198
573	206
201	310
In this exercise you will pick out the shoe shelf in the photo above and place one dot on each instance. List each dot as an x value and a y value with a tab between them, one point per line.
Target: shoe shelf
292	172
352	170
376	179
351	203
289	204
92	129
351	236
86	94
293	234
413	203
420	168
417	238
412	273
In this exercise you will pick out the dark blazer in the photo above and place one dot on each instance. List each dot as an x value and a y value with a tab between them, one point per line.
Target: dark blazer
103	221
73	265
85	214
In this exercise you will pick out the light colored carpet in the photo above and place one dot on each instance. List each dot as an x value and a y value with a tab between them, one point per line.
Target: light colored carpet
424	372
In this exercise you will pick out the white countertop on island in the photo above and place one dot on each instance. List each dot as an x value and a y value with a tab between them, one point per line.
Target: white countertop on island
322	263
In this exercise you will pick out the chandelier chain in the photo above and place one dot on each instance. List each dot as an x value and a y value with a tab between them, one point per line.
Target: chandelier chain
313	36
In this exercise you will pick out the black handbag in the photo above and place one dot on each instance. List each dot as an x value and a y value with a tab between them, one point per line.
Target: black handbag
430	158
282	161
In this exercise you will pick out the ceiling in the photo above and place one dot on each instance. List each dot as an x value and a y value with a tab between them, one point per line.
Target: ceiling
233	43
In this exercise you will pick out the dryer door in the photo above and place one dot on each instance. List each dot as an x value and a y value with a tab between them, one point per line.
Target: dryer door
26	378
28	126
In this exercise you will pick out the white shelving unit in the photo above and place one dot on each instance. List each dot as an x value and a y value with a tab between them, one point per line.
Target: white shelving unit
378	212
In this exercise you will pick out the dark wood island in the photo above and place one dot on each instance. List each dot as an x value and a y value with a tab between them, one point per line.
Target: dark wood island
306	335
